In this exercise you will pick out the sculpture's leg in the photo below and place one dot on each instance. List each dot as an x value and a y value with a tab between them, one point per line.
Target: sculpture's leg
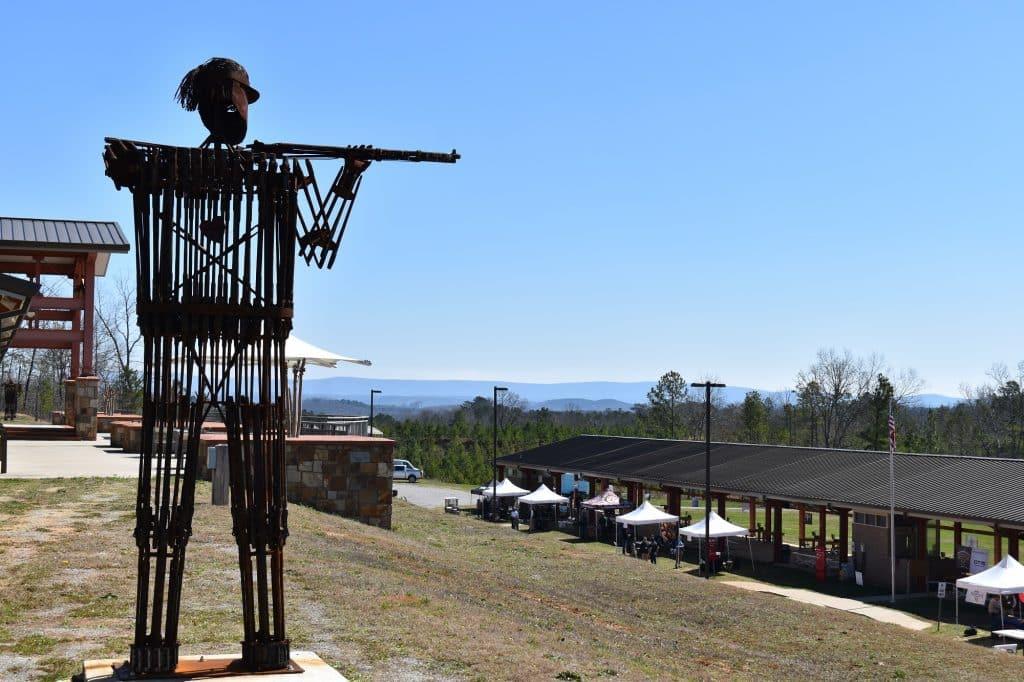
164	507
256	451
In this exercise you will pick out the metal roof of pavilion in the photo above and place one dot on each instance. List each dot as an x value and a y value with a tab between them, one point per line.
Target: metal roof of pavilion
986	489
62	235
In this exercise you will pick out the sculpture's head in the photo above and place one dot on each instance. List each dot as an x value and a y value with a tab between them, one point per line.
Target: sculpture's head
219	88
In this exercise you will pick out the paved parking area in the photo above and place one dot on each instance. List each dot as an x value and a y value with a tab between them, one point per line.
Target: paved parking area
69	459
432	496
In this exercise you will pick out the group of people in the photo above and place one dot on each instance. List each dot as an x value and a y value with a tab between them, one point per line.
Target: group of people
646	547
1001	615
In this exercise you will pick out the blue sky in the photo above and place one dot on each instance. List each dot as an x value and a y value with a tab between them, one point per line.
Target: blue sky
709	187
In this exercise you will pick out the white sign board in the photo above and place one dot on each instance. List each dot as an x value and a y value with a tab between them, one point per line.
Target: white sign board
942	591
860	578
979	560
975	597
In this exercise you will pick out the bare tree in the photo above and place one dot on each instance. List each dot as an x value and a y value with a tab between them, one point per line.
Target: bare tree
119	338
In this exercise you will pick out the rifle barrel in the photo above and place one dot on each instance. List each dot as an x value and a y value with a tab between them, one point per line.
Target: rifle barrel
359	152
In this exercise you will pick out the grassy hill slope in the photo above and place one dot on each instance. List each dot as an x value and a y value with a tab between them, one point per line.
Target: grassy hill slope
440	597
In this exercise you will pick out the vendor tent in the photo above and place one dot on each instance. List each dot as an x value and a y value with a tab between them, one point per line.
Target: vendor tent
505	488
547	500
646	514
1006	577
720	528
543	495
717	528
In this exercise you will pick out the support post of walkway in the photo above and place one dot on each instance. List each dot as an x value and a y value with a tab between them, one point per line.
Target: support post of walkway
768	520
777	529
958	536
801	525
844	535
752	511
1013	543
997	544
821	526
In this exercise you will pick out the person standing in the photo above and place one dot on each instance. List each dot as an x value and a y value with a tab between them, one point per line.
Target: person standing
10	398
515	518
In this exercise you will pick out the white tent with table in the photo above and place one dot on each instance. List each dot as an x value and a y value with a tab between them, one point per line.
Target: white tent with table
644	515
1006	577
504	490
714	526
542	496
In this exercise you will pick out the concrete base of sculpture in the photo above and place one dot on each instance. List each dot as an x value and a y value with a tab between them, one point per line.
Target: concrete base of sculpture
217	668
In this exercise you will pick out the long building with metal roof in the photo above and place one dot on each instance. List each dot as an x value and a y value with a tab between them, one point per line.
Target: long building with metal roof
984	489
933	493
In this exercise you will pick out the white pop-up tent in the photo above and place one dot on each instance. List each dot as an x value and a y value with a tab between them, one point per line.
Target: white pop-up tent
718	528
543	497
644	515
505	488
1006	577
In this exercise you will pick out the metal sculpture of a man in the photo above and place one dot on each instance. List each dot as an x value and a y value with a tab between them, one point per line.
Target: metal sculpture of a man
216	231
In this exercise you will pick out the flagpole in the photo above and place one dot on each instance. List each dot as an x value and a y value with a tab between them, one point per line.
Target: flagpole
892	505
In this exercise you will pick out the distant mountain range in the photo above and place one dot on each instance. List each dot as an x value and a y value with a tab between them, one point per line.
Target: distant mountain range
583	395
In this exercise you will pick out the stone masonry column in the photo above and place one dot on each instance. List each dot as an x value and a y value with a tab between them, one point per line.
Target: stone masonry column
86	403
69	402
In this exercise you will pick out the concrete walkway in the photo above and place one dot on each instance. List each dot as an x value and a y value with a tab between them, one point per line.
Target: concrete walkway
879	613
68	459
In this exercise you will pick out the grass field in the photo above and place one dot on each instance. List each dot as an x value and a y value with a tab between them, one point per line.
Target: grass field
440	597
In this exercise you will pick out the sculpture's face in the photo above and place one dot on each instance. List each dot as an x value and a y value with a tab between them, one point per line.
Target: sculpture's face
227	117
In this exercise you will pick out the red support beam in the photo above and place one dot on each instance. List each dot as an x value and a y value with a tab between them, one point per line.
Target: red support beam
801	525
844	535
45	338
88	333
821	526
721	505
1013	543
57	303
752	521
997	544
958	536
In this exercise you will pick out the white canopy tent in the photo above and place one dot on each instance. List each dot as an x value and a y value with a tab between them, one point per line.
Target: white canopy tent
1006	577
298	354
718	528
543	495
608	498
644	515
505	488
547	499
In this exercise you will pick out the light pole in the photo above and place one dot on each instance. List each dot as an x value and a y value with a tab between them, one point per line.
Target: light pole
707	386
494	459
373	391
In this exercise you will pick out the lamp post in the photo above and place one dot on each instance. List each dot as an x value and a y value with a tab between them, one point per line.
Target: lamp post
373	391
707	386
494	458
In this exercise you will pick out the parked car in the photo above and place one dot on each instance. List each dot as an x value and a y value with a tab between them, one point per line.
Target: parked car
405	471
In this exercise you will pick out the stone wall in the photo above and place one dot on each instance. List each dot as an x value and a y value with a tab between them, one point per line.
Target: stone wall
351	478
345	475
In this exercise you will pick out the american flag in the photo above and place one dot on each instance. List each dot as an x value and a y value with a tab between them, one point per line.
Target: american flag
892	433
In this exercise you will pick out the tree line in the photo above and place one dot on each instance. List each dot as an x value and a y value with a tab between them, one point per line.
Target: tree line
839	401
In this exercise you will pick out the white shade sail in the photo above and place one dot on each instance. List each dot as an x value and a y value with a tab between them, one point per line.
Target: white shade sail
720	528
506	488
297	350
646	513
543	495
1006	577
